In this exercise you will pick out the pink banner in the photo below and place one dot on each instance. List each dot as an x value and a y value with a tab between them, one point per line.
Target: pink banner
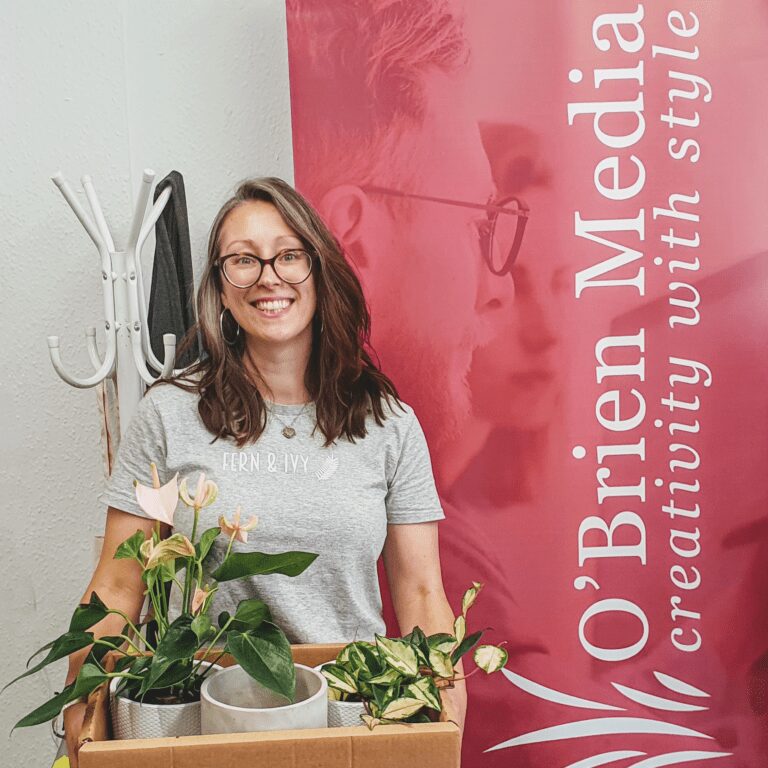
558	212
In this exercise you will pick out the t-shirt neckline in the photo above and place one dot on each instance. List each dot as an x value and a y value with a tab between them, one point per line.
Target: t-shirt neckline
290	408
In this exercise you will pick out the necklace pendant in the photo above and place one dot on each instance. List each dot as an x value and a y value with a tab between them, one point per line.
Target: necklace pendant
288	432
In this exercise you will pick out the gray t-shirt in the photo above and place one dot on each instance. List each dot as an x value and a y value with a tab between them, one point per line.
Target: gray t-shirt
334	501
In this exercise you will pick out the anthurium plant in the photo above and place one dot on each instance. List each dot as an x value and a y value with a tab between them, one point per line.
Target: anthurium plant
399	679
160	660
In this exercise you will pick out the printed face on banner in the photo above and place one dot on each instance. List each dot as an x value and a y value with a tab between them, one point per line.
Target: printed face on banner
424	258
595	417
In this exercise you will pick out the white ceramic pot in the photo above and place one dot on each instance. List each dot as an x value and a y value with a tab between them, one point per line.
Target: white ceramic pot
233	702
343	714
134	720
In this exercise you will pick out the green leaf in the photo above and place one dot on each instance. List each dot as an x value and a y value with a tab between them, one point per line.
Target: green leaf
88	678
425	690
250	614
398	655
386	678
465	645
179	640
339	678
223	619
469	597
265	654
460	628
441	663
46	712
129	549
88	614
380	697
202	626
159	665
161	573
179	643
401	708
241	564
98	652
203	547
62	646
418	640
442	641
356	647
490	658
174	673
362	660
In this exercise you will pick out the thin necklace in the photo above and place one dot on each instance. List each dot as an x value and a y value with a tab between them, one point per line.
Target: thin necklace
288	430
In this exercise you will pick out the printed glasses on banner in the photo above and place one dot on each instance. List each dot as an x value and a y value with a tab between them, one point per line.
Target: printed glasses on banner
244	269
500	232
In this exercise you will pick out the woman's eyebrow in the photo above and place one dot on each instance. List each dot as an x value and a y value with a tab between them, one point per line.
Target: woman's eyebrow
253	245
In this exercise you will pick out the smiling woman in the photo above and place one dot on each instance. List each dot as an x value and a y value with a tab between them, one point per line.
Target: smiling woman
279	288
288	414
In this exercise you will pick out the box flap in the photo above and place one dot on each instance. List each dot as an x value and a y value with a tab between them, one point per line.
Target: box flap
417	745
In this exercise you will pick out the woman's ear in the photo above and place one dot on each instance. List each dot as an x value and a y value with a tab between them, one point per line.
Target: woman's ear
343	208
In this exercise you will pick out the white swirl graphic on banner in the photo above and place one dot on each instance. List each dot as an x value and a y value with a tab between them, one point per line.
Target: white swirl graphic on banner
618	725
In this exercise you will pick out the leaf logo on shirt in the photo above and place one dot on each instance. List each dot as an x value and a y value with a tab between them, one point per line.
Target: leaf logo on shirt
330	465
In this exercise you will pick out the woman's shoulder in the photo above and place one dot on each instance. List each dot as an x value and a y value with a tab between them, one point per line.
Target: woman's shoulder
169	399
398	415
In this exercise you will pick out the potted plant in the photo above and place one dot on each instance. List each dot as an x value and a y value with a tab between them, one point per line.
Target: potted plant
233	702
161	663
398	680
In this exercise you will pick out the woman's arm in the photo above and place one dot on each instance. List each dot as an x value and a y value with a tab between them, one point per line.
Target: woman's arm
412	562
118	583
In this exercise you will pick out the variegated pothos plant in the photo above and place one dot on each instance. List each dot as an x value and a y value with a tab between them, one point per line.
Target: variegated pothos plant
399	679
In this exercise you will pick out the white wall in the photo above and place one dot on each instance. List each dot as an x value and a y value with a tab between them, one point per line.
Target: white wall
104	88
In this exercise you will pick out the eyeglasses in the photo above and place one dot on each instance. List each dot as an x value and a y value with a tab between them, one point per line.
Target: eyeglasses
500	235
244	269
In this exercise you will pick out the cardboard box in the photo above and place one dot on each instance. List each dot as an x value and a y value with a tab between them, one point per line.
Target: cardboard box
411	745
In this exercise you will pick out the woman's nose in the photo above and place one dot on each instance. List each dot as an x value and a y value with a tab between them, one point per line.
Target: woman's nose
268	276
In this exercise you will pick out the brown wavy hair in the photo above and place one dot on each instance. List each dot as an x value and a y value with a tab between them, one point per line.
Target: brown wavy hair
341	377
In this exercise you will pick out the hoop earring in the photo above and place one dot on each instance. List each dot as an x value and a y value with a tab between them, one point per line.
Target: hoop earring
224	335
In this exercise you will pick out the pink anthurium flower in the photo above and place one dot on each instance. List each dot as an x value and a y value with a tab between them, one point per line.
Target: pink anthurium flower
236	529
205	493
168	549
159	502
199	598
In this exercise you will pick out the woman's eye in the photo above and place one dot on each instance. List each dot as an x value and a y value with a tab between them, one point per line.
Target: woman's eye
244	259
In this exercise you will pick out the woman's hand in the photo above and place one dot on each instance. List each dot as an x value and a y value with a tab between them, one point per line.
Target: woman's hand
73	724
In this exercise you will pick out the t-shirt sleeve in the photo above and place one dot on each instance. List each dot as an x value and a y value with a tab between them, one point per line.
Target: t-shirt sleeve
412	495
143	443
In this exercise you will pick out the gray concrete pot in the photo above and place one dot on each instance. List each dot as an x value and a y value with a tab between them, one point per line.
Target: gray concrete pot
233	702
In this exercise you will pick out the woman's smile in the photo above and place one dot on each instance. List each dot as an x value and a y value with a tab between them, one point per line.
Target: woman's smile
277	306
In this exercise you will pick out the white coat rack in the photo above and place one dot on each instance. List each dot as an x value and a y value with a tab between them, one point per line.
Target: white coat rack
128	347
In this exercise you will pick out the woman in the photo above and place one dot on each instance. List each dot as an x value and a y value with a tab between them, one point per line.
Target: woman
292	419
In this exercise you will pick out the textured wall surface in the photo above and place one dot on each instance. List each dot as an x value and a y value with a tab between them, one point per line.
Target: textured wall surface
105	89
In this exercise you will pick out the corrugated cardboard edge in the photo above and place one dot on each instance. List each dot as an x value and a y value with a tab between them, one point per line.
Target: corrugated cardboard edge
428	745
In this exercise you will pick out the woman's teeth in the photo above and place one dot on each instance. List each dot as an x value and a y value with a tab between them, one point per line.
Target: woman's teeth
273	306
